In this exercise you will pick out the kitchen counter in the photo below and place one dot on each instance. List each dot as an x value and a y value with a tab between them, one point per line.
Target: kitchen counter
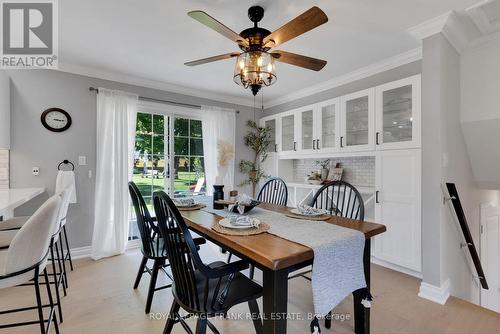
15	197
361	189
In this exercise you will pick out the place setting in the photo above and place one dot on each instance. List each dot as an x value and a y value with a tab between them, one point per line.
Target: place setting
236	222
187	204
309	213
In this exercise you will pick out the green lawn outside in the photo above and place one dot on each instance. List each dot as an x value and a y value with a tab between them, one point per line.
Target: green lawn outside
182	183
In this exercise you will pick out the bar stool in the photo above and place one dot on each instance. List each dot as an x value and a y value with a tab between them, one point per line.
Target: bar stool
27	257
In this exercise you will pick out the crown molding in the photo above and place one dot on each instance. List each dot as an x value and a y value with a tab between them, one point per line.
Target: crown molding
429	27
153	84
455	32
448	24
364	72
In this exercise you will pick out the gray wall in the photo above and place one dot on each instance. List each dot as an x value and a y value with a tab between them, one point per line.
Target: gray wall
33	91
374	80
4	110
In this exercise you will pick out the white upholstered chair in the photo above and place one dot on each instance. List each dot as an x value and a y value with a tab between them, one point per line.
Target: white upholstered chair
26	258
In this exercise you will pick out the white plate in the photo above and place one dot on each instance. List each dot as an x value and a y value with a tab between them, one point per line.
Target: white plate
297	212
226	223
185	206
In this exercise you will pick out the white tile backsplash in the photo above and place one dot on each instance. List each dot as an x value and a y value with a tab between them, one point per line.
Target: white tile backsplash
4	169
359	171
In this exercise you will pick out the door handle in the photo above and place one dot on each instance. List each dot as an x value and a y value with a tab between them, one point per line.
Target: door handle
377	196
377	138
314	144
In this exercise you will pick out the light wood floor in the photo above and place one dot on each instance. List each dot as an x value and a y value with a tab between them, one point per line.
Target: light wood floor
101	300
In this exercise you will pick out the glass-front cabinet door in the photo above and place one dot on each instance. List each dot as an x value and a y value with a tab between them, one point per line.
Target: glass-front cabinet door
307	125
273	146
357	121
398	114
327	126
288	138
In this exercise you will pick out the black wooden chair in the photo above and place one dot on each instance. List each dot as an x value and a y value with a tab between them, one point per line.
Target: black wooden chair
153	247
202	290
339	198
274	191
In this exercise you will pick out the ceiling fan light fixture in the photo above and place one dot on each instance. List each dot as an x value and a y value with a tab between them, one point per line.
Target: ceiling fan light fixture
255	69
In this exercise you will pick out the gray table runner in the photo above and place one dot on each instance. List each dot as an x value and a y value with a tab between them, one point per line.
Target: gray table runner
338	253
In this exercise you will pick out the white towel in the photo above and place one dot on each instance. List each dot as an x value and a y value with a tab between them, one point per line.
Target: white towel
66	179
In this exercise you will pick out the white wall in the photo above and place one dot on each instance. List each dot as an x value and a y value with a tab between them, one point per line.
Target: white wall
446	159
480	110
4	110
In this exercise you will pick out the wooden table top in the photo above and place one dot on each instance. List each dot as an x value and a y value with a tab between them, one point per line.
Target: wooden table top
268	250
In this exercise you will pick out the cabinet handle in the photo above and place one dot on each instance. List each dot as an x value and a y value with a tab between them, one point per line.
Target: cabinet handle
341	140
314	144
376	196
275	147
295	146
377	138
317	144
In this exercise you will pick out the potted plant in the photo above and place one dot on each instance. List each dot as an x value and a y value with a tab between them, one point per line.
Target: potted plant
257	139
325	168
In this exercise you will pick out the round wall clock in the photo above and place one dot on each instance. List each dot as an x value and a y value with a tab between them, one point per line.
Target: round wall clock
56	119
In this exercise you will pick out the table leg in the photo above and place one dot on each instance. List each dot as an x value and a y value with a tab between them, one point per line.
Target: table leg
362	314
275	301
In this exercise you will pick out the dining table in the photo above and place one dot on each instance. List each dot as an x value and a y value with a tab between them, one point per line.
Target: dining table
278	257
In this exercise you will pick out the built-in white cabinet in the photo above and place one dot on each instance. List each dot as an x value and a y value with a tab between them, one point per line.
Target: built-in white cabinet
397	206
398	114
357	121
380	118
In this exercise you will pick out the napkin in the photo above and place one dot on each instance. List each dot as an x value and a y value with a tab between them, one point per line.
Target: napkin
241	201
183	201
309	210
243	221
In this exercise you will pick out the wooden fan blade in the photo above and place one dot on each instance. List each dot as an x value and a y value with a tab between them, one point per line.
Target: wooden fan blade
211	59
299	60
301	24
212	23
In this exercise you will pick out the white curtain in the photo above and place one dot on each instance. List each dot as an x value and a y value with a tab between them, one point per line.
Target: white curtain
116	122
219	127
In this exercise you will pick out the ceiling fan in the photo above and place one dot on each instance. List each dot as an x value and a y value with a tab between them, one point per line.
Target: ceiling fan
255	63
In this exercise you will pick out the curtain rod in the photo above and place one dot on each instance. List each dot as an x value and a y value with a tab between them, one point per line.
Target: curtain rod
93	89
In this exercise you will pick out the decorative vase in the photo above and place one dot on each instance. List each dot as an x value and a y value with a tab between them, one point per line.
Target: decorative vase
218	195
324	173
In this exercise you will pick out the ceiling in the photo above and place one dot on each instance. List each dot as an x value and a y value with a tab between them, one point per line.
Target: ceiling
152	39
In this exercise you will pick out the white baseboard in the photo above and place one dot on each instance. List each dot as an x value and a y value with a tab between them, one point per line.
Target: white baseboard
437	294
395	267
84	252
